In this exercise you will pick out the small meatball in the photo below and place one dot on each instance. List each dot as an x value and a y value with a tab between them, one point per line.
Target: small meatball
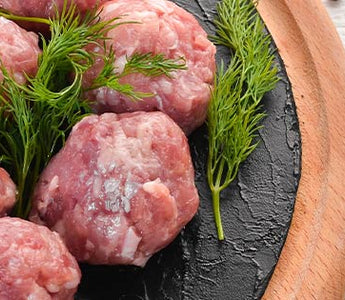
43	9
18	50
7	193
121	188
162	28
35	263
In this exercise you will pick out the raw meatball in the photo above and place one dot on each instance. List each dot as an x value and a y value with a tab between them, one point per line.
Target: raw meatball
7	193
121	189
164	28
43	9
34	263
18	50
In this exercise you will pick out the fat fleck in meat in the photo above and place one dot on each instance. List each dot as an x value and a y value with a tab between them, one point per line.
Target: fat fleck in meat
120	190
18	50
7	193
162	27
34	263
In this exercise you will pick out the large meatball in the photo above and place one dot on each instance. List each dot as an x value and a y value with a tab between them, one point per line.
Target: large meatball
18	50
7	193
34	263
121	188
162	28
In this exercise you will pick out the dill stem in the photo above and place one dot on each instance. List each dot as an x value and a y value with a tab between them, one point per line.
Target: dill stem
216	212
18	209
22	18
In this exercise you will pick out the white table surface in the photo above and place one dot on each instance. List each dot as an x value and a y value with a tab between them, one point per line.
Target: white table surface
336	9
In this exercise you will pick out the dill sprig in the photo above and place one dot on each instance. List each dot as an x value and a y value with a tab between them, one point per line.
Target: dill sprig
148	64
108	77
153	65
36	118
235	111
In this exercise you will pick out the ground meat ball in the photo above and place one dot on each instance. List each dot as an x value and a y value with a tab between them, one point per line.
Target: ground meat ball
7	193
34	263
18	50
121	189
43	9
168	29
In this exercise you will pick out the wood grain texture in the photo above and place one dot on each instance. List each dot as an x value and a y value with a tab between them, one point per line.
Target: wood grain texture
336	10
312	264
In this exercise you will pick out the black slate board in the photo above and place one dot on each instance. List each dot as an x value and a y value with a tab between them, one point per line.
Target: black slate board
256	211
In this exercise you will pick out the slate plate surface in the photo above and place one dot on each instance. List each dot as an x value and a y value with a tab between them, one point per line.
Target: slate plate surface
256	212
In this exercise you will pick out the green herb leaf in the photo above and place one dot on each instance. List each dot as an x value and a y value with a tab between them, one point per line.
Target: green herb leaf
152	65
235	112
148	64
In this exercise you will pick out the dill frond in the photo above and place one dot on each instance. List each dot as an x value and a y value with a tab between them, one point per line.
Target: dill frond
235	111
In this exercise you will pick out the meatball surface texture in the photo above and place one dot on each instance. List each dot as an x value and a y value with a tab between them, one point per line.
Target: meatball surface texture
7	192
19	50
35	263
121	189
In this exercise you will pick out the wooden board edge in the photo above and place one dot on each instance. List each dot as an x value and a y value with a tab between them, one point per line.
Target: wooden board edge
312	263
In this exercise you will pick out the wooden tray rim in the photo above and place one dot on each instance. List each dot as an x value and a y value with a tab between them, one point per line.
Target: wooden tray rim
312	263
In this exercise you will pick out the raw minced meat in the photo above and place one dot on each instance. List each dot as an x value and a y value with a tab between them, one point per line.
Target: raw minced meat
162	28
7	192
43	9
121	188
34	263
19	50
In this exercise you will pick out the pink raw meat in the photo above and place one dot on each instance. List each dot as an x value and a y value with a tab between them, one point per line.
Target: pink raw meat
34	263
18	50
43	9
162	28
7	193
120	190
